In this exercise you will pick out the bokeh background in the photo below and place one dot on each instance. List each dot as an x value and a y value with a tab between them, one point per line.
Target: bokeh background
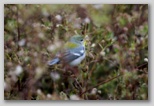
116	64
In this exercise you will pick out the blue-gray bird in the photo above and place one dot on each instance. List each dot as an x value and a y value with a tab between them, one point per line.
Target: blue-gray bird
73	54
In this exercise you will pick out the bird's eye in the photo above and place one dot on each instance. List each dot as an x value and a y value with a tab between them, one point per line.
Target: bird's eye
81	40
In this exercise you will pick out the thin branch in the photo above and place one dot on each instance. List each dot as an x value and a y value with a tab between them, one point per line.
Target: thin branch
18	28
108	80
142	65
103	82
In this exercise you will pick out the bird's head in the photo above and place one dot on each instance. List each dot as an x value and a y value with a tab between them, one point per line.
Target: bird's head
78	39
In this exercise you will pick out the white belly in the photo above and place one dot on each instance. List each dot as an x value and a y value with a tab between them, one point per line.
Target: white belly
78	60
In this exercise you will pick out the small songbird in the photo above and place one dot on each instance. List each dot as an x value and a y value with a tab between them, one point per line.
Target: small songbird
73	52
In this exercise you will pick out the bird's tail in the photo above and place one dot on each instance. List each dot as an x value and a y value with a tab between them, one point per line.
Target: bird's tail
54	61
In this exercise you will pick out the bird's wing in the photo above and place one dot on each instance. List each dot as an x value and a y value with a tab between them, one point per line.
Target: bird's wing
72	54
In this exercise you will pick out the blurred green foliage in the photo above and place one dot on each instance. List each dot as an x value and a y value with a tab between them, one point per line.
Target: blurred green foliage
116	64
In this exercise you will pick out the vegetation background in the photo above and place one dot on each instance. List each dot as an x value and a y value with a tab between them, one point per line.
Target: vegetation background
116	64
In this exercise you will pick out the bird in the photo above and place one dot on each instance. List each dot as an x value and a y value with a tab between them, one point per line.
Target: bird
73	52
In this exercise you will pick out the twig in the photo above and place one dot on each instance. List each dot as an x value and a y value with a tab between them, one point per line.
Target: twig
140	66
18	29
101	83
108	80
